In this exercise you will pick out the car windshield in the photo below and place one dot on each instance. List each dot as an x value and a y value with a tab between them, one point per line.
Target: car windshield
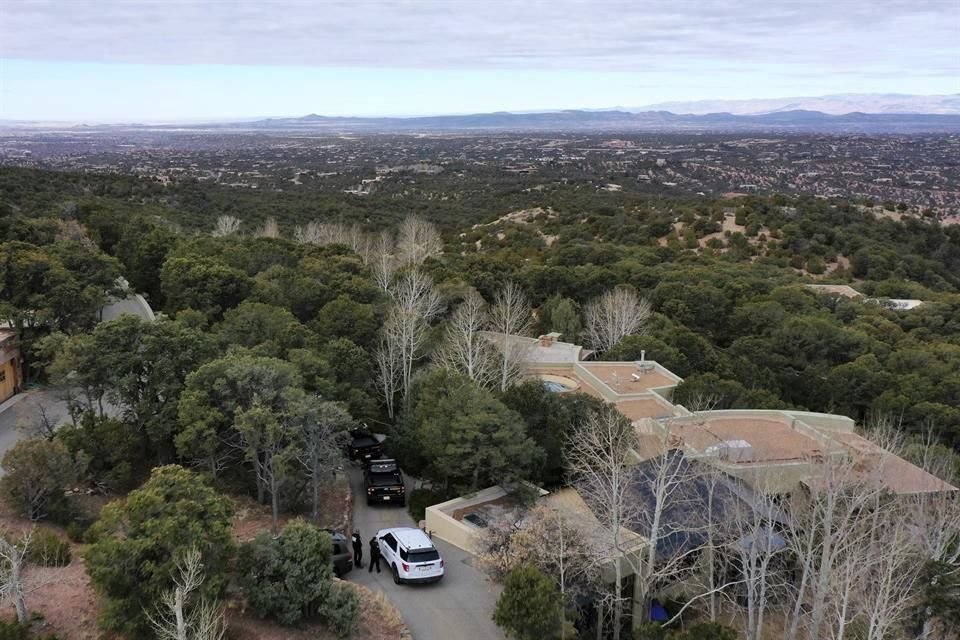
423	555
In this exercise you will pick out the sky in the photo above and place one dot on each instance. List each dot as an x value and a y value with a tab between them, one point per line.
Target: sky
169	60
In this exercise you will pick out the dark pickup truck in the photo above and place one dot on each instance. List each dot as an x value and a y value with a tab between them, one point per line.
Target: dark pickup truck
384	482
364	446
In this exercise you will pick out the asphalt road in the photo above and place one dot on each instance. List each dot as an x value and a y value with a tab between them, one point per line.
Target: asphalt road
456	608
24	409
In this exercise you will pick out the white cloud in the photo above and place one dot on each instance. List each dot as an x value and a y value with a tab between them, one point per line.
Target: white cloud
809	35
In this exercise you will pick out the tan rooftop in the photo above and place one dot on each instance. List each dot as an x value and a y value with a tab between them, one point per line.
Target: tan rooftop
628	377
646	407
769	439
895	473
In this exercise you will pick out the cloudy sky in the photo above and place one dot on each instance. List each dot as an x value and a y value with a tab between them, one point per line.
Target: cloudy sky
110	60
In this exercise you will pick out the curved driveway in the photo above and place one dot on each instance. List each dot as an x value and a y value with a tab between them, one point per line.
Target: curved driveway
456	608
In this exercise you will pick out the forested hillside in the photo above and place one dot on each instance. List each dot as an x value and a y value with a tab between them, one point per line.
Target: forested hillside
284	322
725	277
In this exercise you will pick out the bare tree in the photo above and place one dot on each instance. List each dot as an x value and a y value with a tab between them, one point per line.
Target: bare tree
388	360
615	315
226	226
464	349
309	234
12	562
417	240
323	429
415	304
382	259
510	316
599	454
822	535
270	229
177	617
758	554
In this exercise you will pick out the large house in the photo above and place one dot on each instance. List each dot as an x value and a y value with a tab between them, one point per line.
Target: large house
757	453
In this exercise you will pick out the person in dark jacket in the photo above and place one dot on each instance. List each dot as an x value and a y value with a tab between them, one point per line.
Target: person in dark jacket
374	554
357	549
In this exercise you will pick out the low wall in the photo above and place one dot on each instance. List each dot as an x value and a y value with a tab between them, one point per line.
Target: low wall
441	523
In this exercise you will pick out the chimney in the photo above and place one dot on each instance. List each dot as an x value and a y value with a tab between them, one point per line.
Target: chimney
643	356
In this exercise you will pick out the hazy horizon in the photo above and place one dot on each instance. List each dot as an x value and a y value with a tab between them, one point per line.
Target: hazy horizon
151	61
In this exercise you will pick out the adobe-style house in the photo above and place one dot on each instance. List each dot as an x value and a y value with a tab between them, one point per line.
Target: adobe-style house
758	458
11	374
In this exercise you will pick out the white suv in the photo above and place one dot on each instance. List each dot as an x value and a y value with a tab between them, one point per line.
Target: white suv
410	555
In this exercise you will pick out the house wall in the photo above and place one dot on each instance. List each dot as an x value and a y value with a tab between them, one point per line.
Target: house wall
10	374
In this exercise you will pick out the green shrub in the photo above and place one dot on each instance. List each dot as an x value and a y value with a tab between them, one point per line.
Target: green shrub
530	606
340	609
13	630
76	531
420	499
47	549
287	578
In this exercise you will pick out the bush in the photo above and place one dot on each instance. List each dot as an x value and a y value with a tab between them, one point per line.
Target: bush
287	578
36	472
701	631
340	609
76	531
420	499
47	549
530	606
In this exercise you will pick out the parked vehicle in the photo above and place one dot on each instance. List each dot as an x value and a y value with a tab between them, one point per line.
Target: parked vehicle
410	555
342	555
364	446
383	481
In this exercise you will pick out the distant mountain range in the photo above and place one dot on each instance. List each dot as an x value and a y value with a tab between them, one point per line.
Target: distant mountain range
838	104
796	121
842	113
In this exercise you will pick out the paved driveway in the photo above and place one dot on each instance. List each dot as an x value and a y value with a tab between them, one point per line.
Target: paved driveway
459	606
25	409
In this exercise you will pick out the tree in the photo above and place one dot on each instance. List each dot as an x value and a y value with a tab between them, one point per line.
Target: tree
268	330
467	437
178	617
323	431
213	397
403	338
417	240
287	577
204	284
226	226
13	558
510	316
36	473
270	228
138	542
614	316
599	453
463	349
270	442
139	367
530	606
553	540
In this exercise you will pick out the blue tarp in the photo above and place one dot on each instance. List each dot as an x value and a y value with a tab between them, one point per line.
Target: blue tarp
658	613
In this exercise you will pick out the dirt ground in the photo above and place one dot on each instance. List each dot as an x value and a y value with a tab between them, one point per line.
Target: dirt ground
67	605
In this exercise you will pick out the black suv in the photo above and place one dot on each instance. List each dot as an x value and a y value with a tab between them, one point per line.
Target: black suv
384	482
342	555
364	446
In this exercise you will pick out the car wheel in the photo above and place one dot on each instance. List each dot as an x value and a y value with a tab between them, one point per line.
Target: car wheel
396	575
337	573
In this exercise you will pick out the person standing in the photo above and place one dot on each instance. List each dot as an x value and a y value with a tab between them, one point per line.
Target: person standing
374	554
357	549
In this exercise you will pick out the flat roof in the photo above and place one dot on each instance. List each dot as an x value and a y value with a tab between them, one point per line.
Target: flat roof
896	474
627	377
771	439
645	407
